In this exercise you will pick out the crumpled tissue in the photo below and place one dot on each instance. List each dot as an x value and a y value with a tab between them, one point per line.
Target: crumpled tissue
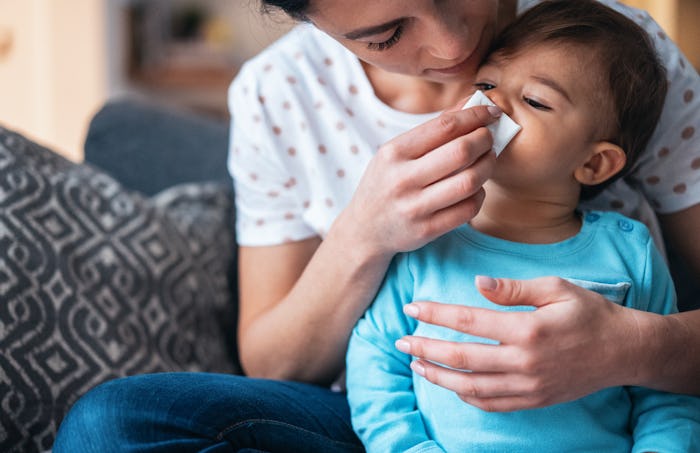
503	130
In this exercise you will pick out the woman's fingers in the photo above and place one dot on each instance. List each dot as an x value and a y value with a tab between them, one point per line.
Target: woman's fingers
391	202
452	157
556	353
452	188
451	217
438	131
538	292
500	392
486	358
489	391
504	327
506	403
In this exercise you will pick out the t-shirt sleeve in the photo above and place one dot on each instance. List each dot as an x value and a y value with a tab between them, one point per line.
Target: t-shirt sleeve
269	208
658	294
668	172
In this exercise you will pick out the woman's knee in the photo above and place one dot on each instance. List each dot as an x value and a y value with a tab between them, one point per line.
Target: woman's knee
96	417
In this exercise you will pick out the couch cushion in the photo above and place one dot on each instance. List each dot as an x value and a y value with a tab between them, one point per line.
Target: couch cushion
97	282
166	145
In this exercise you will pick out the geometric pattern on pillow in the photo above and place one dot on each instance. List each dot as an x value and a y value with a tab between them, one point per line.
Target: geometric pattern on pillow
97	282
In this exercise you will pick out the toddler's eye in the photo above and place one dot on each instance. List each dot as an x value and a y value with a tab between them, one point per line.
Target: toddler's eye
484	86
536	104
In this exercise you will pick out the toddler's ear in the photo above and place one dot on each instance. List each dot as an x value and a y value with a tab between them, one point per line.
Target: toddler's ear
606	160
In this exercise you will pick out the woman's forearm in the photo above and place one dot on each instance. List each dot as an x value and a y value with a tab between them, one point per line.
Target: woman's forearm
304	336
669	356
671	353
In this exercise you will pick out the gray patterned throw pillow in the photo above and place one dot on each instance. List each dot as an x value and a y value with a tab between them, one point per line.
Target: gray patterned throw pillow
97	282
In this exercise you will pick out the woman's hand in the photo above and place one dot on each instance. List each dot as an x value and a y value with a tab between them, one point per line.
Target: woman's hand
423	183
418	186
573	344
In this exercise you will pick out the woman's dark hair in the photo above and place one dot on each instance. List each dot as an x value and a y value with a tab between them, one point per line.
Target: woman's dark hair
296	9
635	77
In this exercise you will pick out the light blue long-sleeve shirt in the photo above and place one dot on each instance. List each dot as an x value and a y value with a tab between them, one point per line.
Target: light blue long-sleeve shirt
395	410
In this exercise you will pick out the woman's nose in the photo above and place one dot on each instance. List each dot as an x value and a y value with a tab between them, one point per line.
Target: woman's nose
446	39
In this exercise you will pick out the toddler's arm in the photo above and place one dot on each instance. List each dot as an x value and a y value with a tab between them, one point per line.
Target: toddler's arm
660	421
379	378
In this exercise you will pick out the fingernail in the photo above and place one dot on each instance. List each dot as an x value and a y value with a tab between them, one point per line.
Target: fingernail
494	110
486	283
411	310
403	346
418	368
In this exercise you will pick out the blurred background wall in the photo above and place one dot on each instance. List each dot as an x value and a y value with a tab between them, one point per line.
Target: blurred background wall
60	60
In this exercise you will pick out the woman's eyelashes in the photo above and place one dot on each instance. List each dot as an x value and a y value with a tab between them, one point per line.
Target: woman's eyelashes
389	42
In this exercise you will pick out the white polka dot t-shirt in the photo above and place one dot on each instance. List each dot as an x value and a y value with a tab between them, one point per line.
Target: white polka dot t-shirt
305	123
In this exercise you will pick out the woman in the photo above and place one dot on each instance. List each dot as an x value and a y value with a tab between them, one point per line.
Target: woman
340	162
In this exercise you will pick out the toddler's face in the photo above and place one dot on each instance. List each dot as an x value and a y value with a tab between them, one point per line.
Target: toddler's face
553	92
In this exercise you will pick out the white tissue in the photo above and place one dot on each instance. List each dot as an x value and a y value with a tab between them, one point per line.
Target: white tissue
503	130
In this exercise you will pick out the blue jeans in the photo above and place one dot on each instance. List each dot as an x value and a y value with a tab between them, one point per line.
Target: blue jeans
189	412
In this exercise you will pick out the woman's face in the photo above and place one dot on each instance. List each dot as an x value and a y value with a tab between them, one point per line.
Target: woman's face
437	40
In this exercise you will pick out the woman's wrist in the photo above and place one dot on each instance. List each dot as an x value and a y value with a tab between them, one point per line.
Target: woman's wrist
355	243
656	350
667	356
641	353
626	350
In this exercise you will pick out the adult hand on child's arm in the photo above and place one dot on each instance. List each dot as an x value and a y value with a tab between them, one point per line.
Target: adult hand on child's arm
575	343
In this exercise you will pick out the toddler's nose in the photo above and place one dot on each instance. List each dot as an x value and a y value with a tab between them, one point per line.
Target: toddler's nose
500	100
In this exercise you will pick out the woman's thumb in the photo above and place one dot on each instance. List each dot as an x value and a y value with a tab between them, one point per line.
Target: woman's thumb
505	291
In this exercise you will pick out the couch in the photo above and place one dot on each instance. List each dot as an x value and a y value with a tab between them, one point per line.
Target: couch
121	265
